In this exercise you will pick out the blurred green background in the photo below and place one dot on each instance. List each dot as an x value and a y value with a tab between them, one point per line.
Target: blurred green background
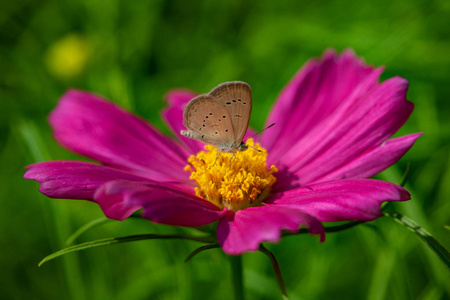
133	52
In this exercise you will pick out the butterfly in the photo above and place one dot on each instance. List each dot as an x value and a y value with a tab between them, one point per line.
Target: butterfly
220	117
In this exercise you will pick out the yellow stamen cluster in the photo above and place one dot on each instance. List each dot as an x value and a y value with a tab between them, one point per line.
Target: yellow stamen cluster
235	183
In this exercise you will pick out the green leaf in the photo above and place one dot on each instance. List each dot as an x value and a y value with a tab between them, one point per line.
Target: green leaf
437	248
85	228
118	240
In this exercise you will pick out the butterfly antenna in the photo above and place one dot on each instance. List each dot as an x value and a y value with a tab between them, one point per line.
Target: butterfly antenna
254	148
259	132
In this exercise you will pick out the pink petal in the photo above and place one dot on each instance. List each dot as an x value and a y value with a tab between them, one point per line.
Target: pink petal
73	179
246	229
173	114
341	200
162	203
374	160
314	93
346	135
113	204
90	125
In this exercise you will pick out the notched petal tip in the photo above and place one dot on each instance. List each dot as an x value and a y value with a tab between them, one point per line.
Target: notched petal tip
30	172
399	84
112	201
404	195
246	229
329	53
315	227
73	179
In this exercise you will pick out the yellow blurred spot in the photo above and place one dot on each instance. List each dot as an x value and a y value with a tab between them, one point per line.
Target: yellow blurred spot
67	57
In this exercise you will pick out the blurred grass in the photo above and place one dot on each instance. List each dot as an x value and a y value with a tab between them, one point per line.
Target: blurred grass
132	53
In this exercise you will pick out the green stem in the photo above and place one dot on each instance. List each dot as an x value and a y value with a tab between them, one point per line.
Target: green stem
431	242
201	249
276	269
328	229
236	275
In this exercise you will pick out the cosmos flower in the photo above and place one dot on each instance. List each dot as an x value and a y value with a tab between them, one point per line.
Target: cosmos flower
334	123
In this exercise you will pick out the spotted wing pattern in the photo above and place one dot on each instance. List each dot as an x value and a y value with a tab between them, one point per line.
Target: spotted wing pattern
236	97
208	121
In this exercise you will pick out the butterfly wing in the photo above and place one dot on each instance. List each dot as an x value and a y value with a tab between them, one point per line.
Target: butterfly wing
208	121
236	97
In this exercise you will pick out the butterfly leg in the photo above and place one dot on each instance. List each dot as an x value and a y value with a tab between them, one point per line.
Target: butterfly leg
217	157
229	162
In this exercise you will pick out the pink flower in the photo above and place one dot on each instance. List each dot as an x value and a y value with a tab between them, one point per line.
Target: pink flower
333	127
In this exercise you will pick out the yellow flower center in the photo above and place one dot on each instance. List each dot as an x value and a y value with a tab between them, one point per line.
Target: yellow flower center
235	183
